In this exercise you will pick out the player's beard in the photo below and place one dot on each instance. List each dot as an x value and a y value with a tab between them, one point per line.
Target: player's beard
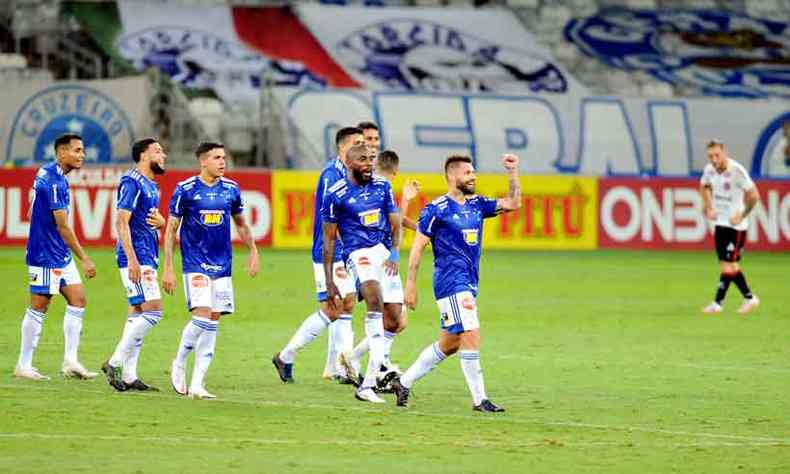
360	177
466	188
156	169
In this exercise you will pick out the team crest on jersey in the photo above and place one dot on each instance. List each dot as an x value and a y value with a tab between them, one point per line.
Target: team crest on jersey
471	236
106	130
212	218
414	54
370	218
726	185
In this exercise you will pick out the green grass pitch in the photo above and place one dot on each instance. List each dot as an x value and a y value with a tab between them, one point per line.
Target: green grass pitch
602	359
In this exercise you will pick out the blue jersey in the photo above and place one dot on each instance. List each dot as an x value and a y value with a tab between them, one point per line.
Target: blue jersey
333	172
45	246
456	233
139	195
360	212
205	213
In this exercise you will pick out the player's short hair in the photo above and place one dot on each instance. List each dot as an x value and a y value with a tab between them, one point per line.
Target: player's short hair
367	126
140	146
65	139
715	142
453	159
205	147
387	161
344	133
357	150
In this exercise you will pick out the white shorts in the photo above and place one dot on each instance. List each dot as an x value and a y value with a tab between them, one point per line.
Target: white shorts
392	289
343	281
458	312
204	292
146	290
368	265
49	281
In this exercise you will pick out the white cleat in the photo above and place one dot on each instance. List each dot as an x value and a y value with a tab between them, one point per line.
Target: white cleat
712	308
178	378
200	393
368	395
749	305
30	373
75	370
348	363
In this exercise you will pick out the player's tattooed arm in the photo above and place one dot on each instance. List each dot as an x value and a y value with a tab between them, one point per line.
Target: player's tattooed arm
706	192
750	199
68	235
330	236
168	275
417	247
125	236
246	237
513	199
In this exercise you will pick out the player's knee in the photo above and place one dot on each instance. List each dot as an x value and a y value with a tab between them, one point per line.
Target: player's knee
80	301
348	303
39	304
328	310
374	302
403	322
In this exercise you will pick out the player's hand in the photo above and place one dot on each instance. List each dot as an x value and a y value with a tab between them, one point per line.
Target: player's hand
710	213
510	162
169	281
736	218
88	267
411	189
391	268
333	296
155	219
410	295
252	264
134	271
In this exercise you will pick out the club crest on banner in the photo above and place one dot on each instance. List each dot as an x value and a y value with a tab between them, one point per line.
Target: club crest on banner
106	130
411	54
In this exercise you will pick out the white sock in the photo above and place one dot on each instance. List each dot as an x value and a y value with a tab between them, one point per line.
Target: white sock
31	332
332	333
130	367
374	328
133	341
342	336
117	357
389	338
362	348
428	359
307	332
470	364
72	329
204	354
189	337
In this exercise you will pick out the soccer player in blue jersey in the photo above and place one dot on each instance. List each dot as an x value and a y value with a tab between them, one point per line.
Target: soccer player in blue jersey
50	265
361	211
336	318
137	253
203	207
453	225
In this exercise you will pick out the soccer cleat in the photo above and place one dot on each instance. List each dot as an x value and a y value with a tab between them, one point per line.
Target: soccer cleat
348	381
114	376
178	378
140	386
749	305
285	371
368	395
712	308
30	373
488	406
347	362
73	369
401	393
200	393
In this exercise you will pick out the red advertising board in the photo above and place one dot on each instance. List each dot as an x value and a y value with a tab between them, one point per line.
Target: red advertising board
663	213
93	196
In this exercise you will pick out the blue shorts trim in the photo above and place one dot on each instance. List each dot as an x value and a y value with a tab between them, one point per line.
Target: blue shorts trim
455	329
40	290
322	296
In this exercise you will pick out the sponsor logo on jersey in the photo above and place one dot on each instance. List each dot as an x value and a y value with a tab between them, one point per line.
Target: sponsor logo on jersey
470	236
199	281
212	218
370	218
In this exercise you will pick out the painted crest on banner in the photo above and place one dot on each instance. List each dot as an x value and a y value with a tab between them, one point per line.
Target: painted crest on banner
723	53
411	54
772	154
106	130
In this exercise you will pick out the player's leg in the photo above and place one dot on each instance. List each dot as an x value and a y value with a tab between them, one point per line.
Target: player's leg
374	330
32	324
197	289
750	300
341	331
72	290
429	358
725	245
222	303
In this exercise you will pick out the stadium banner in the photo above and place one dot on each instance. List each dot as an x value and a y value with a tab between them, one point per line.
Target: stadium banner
93	197
666	214
109	114
557	212
565	134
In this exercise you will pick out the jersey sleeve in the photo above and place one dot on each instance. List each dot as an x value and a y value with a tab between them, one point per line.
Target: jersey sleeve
390	206
177	202
128	193
237	205
705	179
427	221
488	206
329	208
743	180
55	194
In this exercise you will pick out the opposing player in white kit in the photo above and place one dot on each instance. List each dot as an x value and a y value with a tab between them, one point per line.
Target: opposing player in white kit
137	251
203	206
729	195
50	266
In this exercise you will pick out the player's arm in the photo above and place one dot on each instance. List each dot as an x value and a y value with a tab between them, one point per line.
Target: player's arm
750	199
410	191
417	247
513	199
393	262
168	275
329	230
246	237
68	235
706	192
125	236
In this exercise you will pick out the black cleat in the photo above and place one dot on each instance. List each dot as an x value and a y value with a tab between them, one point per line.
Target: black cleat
401	392
487	405
347	381
141	386
114	376
285	371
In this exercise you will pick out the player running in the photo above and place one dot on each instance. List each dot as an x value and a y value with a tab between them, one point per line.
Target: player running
203	206
729	195
361	210
137	254
50	265
335	317
453	225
